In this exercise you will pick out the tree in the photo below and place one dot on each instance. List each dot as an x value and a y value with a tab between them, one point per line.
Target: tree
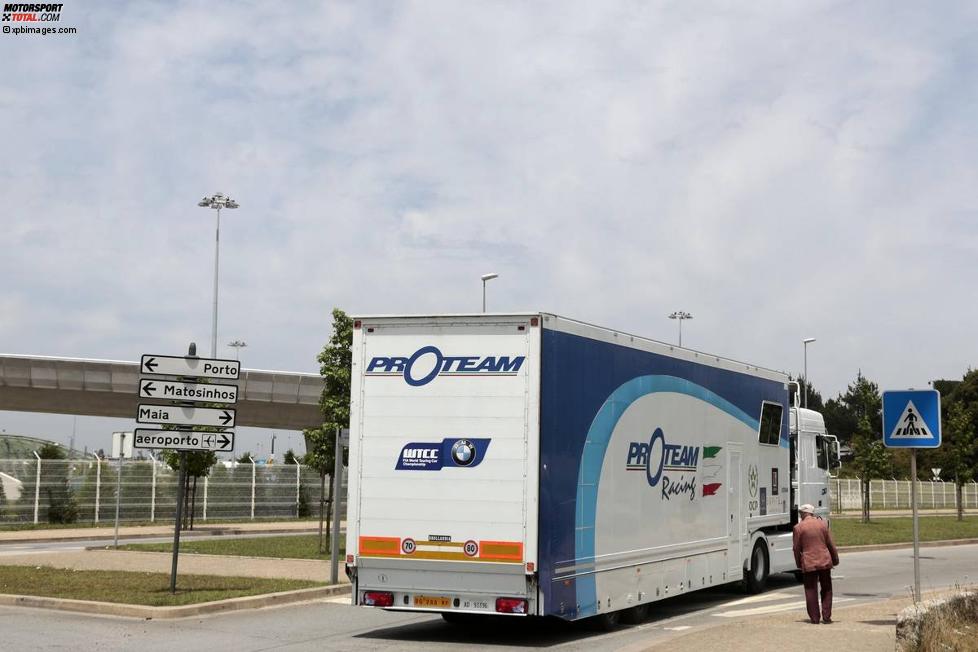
842	414
959	449
335	362
199	464
870	460
244	458
62	505
290	458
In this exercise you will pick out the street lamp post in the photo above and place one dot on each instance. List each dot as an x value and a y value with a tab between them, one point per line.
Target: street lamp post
485	278
804	397
237	345
217	202
681	315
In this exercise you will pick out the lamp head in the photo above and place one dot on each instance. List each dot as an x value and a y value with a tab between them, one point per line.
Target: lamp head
808	340
489	277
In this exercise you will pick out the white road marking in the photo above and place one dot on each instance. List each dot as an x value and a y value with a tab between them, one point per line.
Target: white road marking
771	609
763	597
340	599
679	628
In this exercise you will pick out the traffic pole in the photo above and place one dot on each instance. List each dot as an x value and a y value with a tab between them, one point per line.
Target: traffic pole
179	518
916	530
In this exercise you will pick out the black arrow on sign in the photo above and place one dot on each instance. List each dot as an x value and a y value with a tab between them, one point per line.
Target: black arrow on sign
150	365
148	388
225	440
226	417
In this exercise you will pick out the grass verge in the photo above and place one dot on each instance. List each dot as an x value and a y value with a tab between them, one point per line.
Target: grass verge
152	589
852	532
302	546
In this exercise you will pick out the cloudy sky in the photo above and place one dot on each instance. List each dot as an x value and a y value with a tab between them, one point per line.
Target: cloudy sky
780	170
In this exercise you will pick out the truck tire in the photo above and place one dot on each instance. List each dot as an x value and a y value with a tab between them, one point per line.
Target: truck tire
607	622
635	615
755	579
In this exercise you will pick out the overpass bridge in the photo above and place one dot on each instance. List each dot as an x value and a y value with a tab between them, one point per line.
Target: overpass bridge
109	388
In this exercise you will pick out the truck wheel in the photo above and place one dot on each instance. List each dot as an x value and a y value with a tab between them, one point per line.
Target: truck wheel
607	622
756	577
635	615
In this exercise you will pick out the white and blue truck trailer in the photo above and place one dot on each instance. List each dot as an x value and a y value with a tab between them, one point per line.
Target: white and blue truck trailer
530	464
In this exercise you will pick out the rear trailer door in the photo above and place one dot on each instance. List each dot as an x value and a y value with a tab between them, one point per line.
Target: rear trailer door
444	432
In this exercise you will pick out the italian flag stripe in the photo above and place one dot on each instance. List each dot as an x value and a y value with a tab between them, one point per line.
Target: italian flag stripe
711	451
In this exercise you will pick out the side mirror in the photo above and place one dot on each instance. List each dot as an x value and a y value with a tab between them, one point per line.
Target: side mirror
836	455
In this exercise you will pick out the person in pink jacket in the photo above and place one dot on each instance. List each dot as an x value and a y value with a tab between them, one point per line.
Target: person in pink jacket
815	555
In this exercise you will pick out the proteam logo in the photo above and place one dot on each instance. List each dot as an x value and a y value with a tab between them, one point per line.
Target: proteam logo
428	362
434	456
672	467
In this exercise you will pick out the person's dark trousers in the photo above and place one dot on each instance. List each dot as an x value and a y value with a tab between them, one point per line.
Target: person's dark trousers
812	581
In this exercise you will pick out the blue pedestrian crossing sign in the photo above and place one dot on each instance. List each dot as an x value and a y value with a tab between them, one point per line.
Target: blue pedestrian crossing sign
912	418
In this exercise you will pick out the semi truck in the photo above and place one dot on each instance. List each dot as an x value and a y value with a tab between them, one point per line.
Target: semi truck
533	465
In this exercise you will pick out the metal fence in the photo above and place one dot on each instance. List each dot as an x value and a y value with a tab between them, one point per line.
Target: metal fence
84	491
895	494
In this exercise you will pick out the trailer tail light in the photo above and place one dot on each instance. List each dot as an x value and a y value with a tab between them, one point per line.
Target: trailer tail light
511	605
378	599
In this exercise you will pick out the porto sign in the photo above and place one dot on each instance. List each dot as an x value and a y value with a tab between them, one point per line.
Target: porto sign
173	391
185	416
183	440
169	365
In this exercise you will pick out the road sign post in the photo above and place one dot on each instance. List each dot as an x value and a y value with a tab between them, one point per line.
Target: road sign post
179	519
184	392
912	419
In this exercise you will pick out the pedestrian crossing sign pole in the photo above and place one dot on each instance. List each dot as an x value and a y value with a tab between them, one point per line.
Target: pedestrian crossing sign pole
912	419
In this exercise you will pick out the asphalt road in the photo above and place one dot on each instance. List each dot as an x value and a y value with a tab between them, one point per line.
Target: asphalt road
328	625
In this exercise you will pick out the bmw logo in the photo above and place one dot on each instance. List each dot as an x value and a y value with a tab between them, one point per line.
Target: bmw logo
463	452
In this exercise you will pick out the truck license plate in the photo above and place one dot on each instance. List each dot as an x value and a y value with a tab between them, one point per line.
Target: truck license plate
432	601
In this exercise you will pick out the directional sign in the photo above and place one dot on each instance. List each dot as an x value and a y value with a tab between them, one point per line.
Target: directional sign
170	365
171	391
185	416
912	418
184	440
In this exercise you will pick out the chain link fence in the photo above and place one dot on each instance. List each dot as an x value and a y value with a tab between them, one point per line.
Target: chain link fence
895	494
84	491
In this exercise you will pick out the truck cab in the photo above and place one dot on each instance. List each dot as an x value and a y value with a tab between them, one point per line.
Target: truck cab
814	456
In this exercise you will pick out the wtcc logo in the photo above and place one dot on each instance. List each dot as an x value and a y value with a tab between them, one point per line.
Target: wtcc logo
31	13
434	456
672	467
428	362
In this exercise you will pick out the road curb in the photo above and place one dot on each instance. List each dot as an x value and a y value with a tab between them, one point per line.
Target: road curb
164	613
908	544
